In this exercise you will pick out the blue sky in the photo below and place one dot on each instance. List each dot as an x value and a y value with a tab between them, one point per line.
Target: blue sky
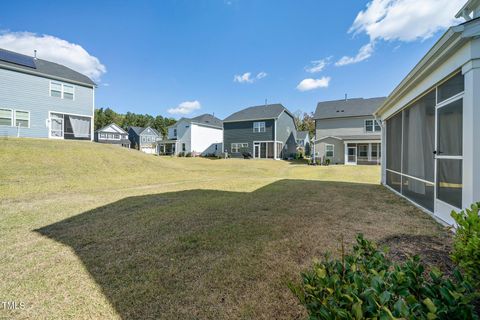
155	55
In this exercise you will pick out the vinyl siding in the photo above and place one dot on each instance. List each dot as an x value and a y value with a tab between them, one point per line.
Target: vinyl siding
287	134
338	151
242	132
20	91
206	139
351	126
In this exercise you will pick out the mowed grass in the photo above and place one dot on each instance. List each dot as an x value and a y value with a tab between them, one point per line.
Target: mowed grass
97	232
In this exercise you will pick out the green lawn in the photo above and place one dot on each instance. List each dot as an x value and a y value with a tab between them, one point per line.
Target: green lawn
95	231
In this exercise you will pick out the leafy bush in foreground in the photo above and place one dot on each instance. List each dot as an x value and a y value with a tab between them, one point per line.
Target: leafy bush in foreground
466	244
367	285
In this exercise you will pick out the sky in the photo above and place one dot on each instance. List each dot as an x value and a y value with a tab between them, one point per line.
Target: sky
184	58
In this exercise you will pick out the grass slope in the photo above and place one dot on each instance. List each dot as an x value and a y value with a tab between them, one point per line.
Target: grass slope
96	231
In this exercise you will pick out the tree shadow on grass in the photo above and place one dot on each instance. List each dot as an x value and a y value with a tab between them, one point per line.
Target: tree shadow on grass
218	254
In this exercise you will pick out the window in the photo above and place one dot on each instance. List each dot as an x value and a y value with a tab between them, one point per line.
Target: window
329	148
22	119
62	90
451	87
6	117
55	89
103	135
174	132
372	126
117	136
67	92
109	135
236	147
184	148
259	127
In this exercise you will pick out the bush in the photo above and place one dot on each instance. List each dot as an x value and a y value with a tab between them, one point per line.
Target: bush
466	243
367	285
181	154
188	155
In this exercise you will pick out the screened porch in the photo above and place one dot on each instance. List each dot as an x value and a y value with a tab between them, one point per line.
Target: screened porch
362	153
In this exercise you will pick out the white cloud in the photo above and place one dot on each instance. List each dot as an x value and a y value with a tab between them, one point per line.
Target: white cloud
261	75
364	53
406	20
54	49
185	107
310	84
401	20
318	65
247	77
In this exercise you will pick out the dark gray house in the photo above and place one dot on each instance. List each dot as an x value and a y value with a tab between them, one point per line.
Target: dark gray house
43	99
346	131
144	139
112	134
264	132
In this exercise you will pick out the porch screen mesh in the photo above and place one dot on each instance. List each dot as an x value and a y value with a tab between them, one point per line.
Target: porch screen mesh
394	143
419	138
80	126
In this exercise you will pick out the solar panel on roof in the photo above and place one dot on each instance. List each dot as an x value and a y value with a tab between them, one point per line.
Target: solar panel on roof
18	59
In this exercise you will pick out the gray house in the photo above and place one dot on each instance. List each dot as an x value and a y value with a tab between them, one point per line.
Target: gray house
346	131
264	132
303	141
144	139
112	134
42	99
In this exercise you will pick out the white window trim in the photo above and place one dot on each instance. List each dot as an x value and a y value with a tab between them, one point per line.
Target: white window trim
258	125
373	126
15	117
333	150
12	122
238	146
68	114
62	90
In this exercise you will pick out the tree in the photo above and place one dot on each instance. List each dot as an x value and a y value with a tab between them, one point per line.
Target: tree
106	116
305	122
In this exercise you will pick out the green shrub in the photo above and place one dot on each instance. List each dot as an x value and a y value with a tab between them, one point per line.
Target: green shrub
188	155
466	243
367	285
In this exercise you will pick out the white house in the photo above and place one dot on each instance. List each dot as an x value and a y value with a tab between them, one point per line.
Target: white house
202	135
431	136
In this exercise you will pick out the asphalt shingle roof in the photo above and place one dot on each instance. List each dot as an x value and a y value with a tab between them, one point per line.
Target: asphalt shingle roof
347	108
139	130
208	119
357	137
269	111
47	68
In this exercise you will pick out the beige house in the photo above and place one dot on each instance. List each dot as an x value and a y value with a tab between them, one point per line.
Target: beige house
346	131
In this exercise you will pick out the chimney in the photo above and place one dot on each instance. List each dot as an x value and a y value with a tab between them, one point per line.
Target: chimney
266	102
346	97
35	54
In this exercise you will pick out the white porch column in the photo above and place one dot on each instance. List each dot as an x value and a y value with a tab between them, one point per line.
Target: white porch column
346	152
383	156
369	152
471	133
274	142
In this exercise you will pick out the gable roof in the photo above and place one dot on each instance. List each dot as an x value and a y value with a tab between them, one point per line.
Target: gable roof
269	111
43	68
114	126
302	135
204	119
355	107
208	119
139	130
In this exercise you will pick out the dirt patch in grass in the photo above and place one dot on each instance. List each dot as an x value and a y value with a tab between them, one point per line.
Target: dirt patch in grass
434	251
